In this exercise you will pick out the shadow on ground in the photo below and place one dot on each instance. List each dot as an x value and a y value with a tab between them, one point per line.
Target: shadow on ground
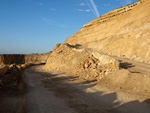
78	97
125	65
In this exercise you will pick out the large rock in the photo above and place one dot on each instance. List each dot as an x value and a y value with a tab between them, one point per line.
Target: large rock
105	59
121	32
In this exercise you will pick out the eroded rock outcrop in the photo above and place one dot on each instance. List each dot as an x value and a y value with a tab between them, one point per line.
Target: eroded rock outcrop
123	32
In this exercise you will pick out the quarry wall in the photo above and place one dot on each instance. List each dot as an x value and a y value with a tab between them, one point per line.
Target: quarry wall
123	32
23	58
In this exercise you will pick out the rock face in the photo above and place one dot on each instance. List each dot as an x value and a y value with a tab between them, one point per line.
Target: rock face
121	32
23	59
80	61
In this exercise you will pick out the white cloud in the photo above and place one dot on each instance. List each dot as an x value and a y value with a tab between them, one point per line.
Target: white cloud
87	10
93	7
52	9
54	23
48	21
82	4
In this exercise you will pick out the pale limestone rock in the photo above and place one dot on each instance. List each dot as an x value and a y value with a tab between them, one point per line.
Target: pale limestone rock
104	59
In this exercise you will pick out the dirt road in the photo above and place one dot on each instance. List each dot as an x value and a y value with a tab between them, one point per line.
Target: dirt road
59	93
58	97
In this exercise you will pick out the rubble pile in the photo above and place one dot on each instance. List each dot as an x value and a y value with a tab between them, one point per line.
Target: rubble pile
79	61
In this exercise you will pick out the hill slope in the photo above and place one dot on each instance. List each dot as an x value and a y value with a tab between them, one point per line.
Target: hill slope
121	32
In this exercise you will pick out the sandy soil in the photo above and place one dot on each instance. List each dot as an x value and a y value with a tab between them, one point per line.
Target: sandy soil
59	93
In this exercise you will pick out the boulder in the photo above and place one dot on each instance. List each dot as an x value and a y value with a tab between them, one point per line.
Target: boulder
105	59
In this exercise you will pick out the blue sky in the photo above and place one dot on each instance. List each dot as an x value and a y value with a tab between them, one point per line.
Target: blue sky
35	26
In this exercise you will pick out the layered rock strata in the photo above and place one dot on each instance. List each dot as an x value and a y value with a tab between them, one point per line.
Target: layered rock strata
123	32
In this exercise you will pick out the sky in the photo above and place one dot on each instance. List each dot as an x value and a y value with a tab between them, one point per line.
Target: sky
36	26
